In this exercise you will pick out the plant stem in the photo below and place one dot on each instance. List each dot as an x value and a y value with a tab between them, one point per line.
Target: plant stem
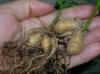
85	26
59	13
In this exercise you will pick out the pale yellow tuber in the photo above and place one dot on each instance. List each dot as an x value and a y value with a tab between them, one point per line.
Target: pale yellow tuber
66	25
75	45
46	43
70	33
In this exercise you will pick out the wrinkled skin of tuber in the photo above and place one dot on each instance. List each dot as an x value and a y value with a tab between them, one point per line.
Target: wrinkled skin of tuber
75	45
67	24
70	30
41	49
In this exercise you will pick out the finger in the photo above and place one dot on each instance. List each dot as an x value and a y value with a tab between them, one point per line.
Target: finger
95	23
23	9
90	51
9	27
82	12
92	36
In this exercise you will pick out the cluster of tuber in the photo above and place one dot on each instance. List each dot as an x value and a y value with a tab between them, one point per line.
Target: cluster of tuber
44	51
71	33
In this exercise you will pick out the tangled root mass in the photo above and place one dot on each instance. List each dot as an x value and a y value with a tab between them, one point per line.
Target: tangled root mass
44	51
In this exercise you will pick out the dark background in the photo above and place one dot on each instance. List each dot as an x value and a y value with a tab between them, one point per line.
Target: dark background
92	67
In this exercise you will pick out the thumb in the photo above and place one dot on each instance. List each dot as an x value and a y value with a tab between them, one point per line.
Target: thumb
23	9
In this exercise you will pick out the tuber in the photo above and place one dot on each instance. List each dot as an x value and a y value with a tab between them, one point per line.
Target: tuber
41	50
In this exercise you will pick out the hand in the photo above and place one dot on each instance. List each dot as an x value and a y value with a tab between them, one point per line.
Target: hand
33	14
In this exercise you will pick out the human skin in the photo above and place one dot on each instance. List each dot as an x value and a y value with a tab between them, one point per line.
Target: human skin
27	14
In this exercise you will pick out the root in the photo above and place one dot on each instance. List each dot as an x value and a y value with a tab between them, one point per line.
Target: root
45	51
30	64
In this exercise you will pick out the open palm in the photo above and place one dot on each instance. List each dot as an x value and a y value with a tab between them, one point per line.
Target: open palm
34	14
